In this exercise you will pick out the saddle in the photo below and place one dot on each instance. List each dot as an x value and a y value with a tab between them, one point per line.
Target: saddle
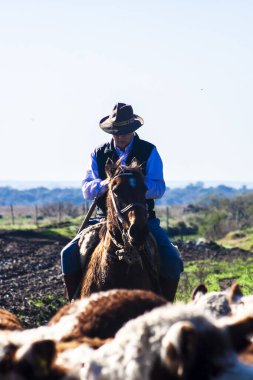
88	240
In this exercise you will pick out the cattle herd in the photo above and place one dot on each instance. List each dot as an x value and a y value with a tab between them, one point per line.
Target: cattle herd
135	335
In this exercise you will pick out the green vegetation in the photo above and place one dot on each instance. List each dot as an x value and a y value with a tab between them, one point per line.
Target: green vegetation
49	228
46	308
227	221
215	274
20	224
240	238
68	232
213	217
224	215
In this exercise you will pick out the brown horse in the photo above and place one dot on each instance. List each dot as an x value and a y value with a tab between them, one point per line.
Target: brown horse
126	255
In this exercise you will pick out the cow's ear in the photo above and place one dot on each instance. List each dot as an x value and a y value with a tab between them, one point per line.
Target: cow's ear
35	360
239	331
198	292
235	293
179	348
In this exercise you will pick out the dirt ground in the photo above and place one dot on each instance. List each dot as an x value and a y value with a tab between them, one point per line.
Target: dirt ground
31	284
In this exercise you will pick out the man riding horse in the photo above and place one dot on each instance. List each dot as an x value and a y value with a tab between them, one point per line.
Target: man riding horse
125	145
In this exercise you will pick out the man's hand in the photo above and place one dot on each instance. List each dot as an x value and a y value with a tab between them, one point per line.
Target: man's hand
103	187
104	182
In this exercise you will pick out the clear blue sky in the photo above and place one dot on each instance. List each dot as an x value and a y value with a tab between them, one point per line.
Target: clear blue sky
186	66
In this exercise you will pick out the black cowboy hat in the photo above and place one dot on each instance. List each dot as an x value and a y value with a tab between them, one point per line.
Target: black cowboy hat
121	121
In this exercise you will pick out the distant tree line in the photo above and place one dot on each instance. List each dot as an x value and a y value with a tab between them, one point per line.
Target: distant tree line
40	196
177	196
198	193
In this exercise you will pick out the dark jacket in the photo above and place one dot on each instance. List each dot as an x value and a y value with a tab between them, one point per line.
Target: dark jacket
141	150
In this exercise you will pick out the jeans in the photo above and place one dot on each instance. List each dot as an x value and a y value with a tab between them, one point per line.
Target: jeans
171	264
70	257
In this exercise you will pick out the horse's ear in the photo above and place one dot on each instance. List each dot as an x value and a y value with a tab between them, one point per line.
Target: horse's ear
110	168
135	163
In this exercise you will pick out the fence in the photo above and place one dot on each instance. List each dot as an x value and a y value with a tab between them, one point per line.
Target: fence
13	216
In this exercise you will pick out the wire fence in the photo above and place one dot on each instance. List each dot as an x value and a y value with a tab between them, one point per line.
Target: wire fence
57	214
40	215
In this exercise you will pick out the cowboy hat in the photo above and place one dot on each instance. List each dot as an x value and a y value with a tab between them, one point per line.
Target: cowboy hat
121	121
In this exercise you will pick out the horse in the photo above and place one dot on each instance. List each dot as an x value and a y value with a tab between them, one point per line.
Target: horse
126	255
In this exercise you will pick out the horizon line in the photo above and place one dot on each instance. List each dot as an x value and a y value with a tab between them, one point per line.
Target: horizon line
29	184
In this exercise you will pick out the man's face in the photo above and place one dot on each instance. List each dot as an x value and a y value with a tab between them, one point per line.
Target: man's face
121	141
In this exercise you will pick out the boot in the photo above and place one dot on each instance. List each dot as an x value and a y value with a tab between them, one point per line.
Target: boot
72	285
169	288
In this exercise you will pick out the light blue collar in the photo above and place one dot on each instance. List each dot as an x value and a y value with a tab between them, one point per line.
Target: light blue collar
127	149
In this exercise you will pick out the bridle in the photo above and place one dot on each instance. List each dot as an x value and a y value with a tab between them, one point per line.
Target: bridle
126	246
119	213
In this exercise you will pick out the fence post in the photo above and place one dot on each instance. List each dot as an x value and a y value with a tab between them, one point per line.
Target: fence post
59	213
167	219
12	214
36	216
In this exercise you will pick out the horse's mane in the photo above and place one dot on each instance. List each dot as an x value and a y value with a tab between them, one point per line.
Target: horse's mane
113	169
102	231
98	264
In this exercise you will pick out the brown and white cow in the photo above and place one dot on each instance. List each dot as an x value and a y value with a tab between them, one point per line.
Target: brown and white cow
9	321
227	302
102	314
231	301
173	342
88	322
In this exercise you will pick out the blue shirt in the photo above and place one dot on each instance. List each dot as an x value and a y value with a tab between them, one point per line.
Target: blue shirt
93	186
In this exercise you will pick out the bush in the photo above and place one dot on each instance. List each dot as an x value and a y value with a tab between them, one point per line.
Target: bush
182	229
215	225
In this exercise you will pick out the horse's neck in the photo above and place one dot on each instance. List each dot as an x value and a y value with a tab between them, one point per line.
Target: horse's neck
114	234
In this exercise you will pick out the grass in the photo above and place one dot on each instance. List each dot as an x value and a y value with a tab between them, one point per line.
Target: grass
68	232
20	224
45	308
49	228
213	274
240	238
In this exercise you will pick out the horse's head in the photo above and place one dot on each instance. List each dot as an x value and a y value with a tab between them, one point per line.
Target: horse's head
126	201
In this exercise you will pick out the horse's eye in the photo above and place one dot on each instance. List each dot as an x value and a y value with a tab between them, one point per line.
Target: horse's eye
132	182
